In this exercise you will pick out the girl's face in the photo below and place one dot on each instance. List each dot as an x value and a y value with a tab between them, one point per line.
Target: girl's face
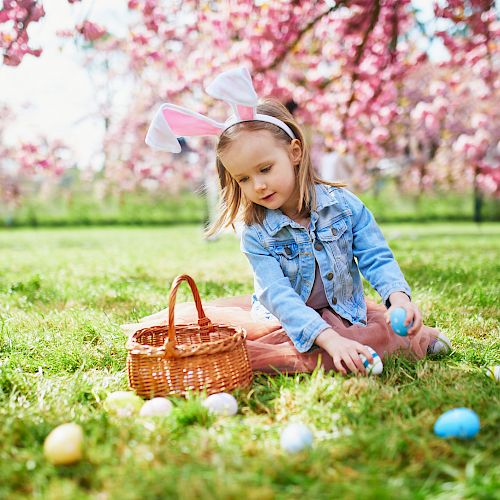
265	169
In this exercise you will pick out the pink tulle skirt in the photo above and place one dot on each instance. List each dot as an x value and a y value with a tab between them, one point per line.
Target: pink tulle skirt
271	350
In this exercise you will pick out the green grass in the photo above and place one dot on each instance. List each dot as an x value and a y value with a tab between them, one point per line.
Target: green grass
81	206
84	208
64	294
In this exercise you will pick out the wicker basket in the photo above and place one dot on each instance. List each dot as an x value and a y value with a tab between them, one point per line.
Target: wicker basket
173	360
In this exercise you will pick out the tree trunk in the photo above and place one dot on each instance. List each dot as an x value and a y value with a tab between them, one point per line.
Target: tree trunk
478	199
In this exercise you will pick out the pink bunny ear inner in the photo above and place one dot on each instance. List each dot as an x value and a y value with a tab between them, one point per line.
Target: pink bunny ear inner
246	112
184	122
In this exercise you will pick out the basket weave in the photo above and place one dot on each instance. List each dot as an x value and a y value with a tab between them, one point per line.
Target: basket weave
173	360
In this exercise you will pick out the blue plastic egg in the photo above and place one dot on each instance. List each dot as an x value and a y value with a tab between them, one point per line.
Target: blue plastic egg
398	317
461	423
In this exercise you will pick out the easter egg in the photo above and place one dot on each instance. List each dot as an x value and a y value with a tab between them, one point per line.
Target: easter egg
296	437
123	403
374	368
461	423
493	372
156	407
398	317
63	445
221	403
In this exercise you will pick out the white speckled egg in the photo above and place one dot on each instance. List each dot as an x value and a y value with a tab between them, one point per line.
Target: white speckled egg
374	368
156	407
221	403
296	437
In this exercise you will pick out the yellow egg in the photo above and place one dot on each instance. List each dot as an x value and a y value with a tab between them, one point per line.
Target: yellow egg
63	445
123	403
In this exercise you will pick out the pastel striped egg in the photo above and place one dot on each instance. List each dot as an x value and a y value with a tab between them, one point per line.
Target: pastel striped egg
374	368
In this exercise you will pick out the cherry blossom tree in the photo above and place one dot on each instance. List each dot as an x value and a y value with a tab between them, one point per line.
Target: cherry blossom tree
15	18
352	69
31	168
472	42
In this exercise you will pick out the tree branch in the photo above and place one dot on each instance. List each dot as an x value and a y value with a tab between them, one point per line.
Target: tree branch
392	51
301	33
24	21
357	59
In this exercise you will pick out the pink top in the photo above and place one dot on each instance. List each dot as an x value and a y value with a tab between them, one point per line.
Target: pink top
317	299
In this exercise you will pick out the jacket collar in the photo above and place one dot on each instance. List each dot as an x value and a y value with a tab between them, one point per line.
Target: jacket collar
276	219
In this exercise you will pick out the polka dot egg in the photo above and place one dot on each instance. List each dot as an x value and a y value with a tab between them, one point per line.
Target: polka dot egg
398	318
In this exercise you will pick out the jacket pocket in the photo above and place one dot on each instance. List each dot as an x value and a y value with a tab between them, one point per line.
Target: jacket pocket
334	232
287	254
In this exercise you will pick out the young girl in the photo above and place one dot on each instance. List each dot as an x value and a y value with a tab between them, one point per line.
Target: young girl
306	240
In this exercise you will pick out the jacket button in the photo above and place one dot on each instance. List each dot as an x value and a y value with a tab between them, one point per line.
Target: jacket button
318	246
334	231
288	251
329	276
334	300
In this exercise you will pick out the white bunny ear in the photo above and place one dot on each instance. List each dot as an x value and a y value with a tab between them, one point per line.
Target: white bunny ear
160	136
172	121
235	87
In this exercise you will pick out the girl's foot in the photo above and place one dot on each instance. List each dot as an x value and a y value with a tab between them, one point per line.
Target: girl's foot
439	345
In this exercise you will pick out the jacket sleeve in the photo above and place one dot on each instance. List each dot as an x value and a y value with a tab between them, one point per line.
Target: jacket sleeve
275	292
375	259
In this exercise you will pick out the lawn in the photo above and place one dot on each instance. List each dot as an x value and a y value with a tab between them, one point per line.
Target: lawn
65	292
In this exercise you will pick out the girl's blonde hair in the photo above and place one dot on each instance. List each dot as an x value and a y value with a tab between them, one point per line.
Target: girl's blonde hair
233	203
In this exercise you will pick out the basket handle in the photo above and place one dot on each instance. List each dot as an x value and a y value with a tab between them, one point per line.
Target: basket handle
203	322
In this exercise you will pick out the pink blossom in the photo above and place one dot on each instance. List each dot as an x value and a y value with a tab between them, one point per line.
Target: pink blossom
91	31
437	88
380	134
431	123
440	106
479	120
420	111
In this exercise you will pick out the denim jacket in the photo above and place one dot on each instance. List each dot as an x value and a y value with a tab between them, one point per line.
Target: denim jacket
343	238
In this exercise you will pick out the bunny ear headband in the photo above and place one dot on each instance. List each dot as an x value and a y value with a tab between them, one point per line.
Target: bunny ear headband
233	86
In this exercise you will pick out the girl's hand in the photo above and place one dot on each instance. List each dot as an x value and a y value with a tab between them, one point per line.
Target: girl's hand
400	299
342	349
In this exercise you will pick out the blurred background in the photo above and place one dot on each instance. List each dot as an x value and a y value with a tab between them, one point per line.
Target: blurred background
400	99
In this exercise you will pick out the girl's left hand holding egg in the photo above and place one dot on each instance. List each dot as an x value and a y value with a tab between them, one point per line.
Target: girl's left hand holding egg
413	314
